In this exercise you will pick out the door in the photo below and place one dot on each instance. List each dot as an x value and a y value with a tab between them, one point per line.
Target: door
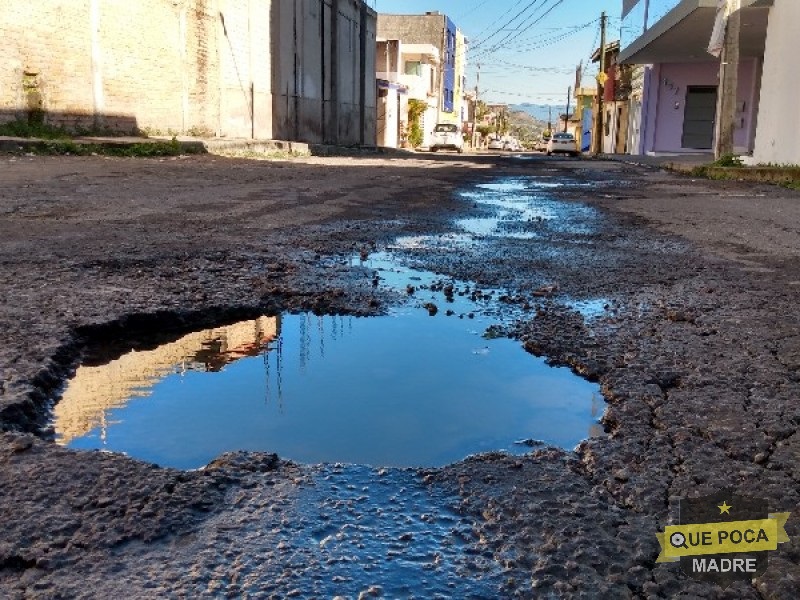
698	117
586	134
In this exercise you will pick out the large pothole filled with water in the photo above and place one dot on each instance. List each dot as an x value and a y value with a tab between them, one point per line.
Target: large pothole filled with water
408	389
425	386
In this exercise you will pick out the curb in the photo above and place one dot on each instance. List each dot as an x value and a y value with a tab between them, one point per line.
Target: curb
202	146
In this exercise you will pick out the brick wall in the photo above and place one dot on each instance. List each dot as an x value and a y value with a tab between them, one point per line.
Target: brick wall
112	63
220	67
46	57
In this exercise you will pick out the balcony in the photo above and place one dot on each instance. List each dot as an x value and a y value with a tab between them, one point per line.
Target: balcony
659	31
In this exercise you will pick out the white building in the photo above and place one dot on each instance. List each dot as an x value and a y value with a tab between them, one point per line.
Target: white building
777	140
406	72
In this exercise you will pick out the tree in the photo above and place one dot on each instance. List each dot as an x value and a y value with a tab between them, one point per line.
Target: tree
416	108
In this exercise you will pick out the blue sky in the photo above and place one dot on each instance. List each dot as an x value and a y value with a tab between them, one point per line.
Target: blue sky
537	61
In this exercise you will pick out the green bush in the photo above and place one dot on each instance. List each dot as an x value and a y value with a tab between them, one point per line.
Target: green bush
416	108
728	160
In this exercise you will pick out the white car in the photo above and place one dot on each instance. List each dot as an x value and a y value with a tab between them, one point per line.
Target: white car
562	143
496	144
447	136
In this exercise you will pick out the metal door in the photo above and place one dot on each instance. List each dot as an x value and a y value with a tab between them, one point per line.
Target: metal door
698	117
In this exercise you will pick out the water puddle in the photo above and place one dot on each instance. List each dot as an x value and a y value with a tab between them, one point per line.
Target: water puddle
520	209
423	386
408	389
590	309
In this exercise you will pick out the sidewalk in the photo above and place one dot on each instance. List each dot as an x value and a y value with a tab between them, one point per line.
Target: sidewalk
683	163
193	145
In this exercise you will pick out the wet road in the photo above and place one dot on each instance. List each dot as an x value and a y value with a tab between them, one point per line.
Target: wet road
694	346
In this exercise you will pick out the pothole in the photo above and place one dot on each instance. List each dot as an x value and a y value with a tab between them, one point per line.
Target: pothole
408	389
425	386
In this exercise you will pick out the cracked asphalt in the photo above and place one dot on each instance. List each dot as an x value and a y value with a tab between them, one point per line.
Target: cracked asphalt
698	356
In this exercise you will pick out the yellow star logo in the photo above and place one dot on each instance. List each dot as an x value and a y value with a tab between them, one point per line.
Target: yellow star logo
724	508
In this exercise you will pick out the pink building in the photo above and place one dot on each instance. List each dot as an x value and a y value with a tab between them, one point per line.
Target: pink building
675	107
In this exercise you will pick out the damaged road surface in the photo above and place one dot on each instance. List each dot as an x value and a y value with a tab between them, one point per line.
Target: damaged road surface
677	296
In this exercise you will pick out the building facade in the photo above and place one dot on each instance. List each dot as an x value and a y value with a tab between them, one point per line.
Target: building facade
298	70
409	72
433	31
776	139
679	80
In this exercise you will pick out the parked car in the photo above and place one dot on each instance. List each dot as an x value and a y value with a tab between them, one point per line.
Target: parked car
541	143
511	146
564	143
447	136
496	144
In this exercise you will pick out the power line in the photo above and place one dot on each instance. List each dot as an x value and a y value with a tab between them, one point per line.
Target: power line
541	43
527	21
511	37
530	5
469	12
497	20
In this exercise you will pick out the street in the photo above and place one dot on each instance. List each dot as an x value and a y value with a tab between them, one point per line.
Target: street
696	350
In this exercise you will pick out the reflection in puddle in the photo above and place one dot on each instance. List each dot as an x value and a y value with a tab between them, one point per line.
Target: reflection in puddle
94	391
403	390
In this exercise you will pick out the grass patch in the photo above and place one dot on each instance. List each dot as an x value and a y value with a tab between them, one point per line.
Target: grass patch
728	160
43	131
144	150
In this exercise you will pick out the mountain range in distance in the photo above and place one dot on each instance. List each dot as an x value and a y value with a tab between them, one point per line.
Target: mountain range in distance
540	112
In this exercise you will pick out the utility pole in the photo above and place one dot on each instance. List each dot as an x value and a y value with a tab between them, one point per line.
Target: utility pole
550	119
597	141
566	114
475	110
725	126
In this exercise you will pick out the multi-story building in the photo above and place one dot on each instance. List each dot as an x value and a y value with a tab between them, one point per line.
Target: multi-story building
406	72
675	108
432	30
280	69
616	93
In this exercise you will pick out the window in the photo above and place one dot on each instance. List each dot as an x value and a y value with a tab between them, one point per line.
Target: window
414	67
445	128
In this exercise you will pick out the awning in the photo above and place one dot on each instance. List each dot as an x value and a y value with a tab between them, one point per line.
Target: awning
682	35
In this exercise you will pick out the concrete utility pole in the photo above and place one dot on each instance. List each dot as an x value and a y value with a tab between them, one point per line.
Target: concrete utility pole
725	126
475	110
566	114
597	141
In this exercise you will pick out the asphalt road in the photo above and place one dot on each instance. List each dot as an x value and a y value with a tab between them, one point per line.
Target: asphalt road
698	355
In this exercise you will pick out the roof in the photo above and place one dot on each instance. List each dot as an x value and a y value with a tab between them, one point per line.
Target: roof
611	47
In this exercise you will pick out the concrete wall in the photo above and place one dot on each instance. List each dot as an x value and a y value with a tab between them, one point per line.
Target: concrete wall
776	140
265	68
413	29
84	62
241	37
389	116
324	79
665	98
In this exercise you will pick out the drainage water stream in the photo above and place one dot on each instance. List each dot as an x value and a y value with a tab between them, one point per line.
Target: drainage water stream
419	387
